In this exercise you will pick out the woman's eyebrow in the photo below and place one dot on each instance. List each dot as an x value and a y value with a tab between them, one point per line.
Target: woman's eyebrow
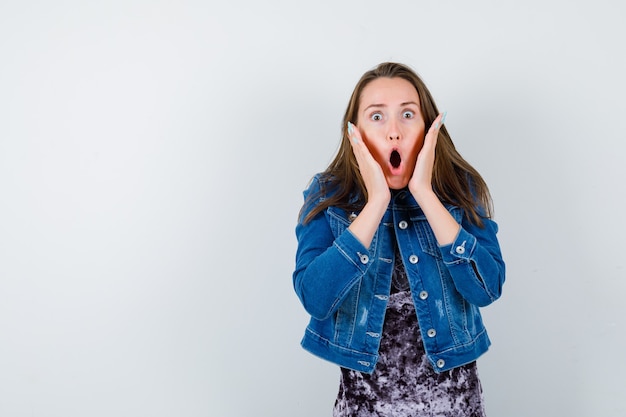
406	103
374	105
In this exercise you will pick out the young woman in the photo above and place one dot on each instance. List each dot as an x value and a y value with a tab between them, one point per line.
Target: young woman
396	253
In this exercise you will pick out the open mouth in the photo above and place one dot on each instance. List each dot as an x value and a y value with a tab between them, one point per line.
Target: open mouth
395	159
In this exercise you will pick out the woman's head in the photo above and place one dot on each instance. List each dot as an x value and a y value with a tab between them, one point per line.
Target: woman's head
454	180
379	104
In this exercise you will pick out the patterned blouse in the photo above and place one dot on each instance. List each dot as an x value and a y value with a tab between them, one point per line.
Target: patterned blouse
404	383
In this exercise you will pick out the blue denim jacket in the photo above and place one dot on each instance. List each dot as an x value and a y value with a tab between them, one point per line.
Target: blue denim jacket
345	286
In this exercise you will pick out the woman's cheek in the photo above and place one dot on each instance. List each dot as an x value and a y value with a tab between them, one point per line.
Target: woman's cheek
415	150
377	153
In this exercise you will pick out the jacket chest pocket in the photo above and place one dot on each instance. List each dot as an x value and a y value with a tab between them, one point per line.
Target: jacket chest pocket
425	233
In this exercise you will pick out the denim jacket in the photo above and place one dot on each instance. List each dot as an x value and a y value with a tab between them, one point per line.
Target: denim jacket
345	286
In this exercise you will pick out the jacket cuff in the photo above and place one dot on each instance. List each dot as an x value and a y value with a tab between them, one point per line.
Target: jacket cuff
461	249
353	250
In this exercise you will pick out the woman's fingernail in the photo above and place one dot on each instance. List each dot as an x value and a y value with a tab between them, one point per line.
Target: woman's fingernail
351	131
440	122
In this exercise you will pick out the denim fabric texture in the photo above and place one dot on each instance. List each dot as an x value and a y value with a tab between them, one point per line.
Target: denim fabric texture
345	286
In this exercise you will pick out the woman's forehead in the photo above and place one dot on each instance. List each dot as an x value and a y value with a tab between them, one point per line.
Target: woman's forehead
388	91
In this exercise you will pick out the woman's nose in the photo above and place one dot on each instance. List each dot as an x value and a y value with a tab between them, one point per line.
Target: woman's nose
394	132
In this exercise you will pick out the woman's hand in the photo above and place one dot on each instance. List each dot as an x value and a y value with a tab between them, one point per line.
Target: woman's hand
422	180
371	172
440	220
378	195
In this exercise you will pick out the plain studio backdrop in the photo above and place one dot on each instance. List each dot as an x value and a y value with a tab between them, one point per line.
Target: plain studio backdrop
152	159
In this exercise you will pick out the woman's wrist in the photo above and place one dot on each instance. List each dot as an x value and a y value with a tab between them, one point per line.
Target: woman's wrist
422	194
377	205
444	226
364	226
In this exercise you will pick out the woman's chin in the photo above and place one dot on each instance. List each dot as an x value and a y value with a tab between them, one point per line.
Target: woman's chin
397	182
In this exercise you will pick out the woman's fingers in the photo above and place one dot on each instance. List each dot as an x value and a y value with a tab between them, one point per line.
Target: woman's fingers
441	121
362	154
371	172
354	134
430	140
433	132
422	176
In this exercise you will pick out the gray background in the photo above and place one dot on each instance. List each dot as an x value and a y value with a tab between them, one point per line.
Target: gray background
152	158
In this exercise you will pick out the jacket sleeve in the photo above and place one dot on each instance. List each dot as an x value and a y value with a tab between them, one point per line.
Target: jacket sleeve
475	262
327	267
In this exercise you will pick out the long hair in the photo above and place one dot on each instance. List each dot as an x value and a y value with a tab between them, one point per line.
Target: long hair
454	181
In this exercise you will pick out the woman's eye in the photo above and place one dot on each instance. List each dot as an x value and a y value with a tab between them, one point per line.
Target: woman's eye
408	114
377	116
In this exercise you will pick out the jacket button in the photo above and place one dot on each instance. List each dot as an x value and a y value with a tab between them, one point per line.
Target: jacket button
351	217
441	363
460	250
423	295
431	332
413	259
403	224
364	259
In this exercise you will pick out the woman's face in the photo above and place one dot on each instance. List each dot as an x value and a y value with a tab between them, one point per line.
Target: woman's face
392	127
